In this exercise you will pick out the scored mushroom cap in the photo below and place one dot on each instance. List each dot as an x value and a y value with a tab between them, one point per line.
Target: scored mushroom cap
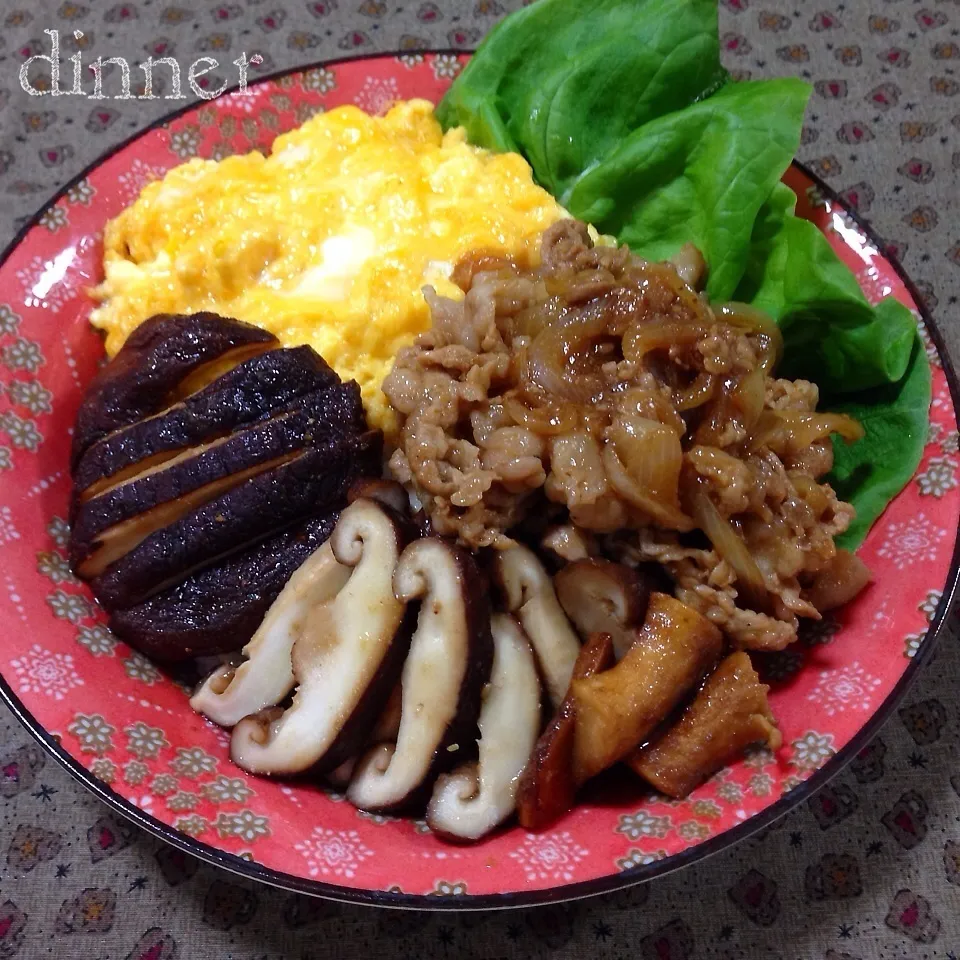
448	664
528	592
604	597
346	659
477	797
266	676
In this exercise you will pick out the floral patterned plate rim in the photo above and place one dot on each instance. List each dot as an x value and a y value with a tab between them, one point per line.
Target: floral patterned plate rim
125	730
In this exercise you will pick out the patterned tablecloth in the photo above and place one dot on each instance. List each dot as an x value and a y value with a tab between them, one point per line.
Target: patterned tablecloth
870	867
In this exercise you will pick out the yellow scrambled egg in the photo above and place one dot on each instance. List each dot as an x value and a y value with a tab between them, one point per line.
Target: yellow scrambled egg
326	242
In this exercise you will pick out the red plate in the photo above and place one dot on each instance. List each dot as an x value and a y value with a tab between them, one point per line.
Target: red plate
126	731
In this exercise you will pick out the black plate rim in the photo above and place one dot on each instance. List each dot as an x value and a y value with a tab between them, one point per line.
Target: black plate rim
518	899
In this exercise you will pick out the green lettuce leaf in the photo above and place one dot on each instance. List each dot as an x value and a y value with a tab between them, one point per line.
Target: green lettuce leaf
625	115
563	83
705	172
872	471
832	335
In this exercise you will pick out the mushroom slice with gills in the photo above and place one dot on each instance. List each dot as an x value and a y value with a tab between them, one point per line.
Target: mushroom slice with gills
266	675
345	660
604	597
528	592
477	797
385	730
449	662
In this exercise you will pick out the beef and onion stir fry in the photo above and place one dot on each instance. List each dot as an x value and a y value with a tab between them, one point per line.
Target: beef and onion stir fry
603	391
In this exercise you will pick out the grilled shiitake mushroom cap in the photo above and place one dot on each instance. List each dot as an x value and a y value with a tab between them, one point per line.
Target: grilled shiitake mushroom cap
208	462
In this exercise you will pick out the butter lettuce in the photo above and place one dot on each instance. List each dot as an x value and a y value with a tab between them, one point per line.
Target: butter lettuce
626	116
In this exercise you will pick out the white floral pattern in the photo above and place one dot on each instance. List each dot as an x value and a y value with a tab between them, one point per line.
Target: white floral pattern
246	824
68	606
9	321
93	732
81	193
333	853
135	178
812	750
930	603
226	790
446	66
41	671
912	541
549	856
23	433
144	741
939	477
8	532
22	355
637	858
846	688
193	762
377	96
138	667
55	567
98	640
643	824
319	80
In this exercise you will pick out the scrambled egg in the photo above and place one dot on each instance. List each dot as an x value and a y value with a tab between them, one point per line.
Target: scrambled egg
326	242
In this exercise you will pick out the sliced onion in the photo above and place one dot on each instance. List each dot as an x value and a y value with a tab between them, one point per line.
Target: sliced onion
550	365
690	266
749	396
642	338
548	420
791	431
728	544
697	394
642	459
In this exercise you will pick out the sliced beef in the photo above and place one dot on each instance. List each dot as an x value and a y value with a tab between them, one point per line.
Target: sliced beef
156	357
218	609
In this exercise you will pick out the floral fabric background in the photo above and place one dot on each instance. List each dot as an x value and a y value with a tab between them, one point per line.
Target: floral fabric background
870	867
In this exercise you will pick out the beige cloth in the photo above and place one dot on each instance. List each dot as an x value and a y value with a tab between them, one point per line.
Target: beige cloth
812	886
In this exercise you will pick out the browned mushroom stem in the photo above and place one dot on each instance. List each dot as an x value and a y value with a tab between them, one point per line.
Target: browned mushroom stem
604	597
619	708
346	660
547	787
265	677
528	593
729	713
470	802
449	662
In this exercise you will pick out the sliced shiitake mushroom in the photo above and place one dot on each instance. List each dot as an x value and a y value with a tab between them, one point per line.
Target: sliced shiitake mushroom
387	492
477	797
448	664
267	502
136	507
604	597
252	390
157	357
547	786
345	661
265	677
528	592
218	609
